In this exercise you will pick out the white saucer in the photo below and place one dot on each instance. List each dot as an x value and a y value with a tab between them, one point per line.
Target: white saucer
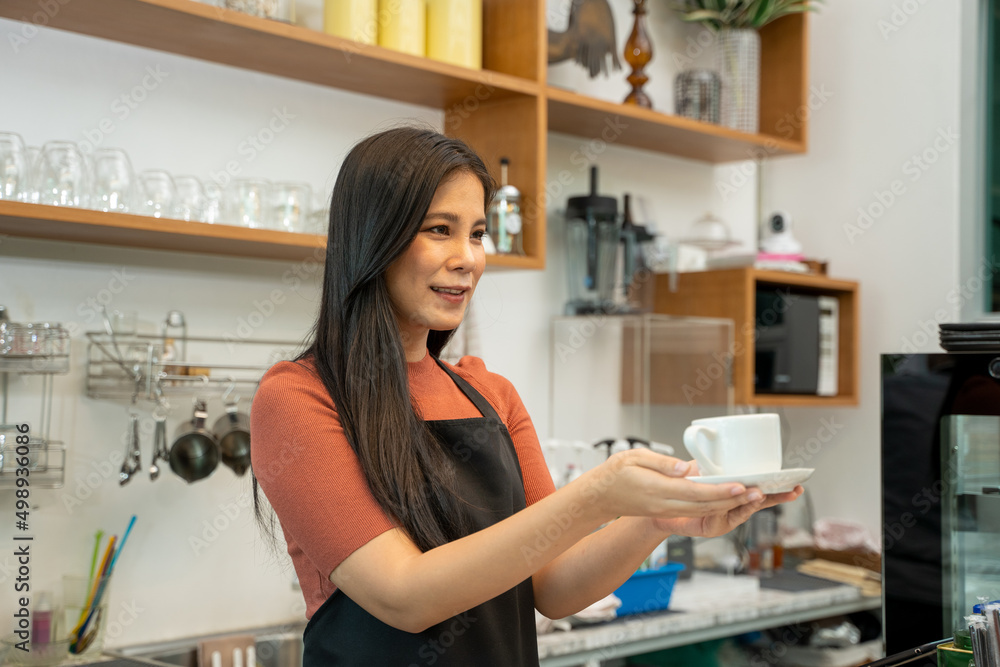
778	481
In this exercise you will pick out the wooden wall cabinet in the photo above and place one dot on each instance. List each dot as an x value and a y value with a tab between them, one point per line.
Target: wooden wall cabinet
503	110
731	293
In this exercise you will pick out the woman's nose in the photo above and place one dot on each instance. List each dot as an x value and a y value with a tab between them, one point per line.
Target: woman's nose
463	257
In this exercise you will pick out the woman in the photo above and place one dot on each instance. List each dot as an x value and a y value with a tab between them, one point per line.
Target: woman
417	508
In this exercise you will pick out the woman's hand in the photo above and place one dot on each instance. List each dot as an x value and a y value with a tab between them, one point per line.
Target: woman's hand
723	522
639	482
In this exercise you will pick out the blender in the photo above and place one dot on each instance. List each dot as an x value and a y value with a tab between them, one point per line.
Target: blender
592	238
635	269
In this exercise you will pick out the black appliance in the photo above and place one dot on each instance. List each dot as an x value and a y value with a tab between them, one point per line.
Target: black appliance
787	350
940	492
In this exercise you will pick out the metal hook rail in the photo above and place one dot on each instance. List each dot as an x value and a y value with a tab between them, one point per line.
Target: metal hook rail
148	367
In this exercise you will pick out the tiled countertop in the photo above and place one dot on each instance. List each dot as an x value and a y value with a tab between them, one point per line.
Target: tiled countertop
708	606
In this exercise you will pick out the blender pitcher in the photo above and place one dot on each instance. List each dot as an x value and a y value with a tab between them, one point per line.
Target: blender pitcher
592	242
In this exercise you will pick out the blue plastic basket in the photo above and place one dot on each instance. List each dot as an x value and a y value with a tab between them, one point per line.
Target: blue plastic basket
648	590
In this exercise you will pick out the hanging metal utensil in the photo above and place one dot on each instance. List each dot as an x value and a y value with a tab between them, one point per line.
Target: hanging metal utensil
195	452
171	351
232	431
131	464
160	451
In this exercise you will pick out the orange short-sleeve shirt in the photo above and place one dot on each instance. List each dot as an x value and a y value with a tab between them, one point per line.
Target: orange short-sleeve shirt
312	478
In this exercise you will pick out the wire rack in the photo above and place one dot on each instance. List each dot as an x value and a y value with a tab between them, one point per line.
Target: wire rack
32	349
154	367
46	464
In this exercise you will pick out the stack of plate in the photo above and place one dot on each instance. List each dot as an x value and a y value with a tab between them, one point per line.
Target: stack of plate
971	337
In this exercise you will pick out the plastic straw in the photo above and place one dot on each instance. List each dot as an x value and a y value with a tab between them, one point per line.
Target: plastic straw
992	613
980	640
111	556
95	584
122	545
93	558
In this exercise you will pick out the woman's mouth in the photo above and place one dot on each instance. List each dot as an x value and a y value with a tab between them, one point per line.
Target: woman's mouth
452	295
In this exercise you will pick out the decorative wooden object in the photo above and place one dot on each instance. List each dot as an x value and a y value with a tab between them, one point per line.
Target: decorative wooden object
638	53
588	39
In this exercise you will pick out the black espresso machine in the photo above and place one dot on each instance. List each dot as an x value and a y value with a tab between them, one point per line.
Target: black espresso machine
940	492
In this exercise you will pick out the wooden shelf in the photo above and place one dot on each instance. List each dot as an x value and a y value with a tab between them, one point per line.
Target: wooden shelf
584	116
504	110
218	35
63	223
78	225
784	94
731	293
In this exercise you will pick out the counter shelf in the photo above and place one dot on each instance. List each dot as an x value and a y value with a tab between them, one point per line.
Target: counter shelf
695	616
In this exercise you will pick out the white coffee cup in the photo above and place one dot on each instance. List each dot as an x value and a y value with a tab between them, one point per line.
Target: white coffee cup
735	445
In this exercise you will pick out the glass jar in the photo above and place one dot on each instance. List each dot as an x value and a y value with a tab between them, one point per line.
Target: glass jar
696	95
504	223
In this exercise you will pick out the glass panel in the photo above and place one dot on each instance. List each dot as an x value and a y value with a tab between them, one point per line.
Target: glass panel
971	546
616	375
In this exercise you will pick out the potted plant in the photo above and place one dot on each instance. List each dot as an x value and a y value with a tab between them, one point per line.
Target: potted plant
736	23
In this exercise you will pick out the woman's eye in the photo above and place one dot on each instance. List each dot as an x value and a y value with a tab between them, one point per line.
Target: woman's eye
479	234
438	229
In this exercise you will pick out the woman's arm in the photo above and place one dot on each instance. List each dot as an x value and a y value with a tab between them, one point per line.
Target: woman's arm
602	561
391	579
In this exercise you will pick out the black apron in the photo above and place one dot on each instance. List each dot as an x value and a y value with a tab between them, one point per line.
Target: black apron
499	632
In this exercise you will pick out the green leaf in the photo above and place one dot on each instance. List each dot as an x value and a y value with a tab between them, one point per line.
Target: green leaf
703	15
762	10
719	14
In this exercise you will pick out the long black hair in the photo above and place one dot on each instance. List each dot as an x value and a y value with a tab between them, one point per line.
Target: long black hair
383	191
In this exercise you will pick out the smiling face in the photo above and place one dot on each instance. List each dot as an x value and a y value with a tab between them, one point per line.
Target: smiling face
432	282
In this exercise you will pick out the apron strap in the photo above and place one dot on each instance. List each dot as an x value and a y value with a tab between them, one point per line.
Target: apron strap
477	398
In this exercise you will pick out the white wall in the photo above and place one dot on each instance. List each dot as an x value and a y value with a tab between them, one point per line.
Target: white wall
194	121
890	95
890	98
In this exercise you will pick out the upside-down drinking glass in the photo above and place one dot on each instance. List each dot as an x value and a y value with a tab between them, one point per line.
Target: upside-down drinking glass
157	193
114	181
214	203
60	175
13	167
291	205
190	200
247	203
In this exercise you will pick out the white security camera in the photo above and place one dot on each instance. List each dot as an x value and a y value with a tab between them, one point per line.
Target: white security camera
777	238
779	222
